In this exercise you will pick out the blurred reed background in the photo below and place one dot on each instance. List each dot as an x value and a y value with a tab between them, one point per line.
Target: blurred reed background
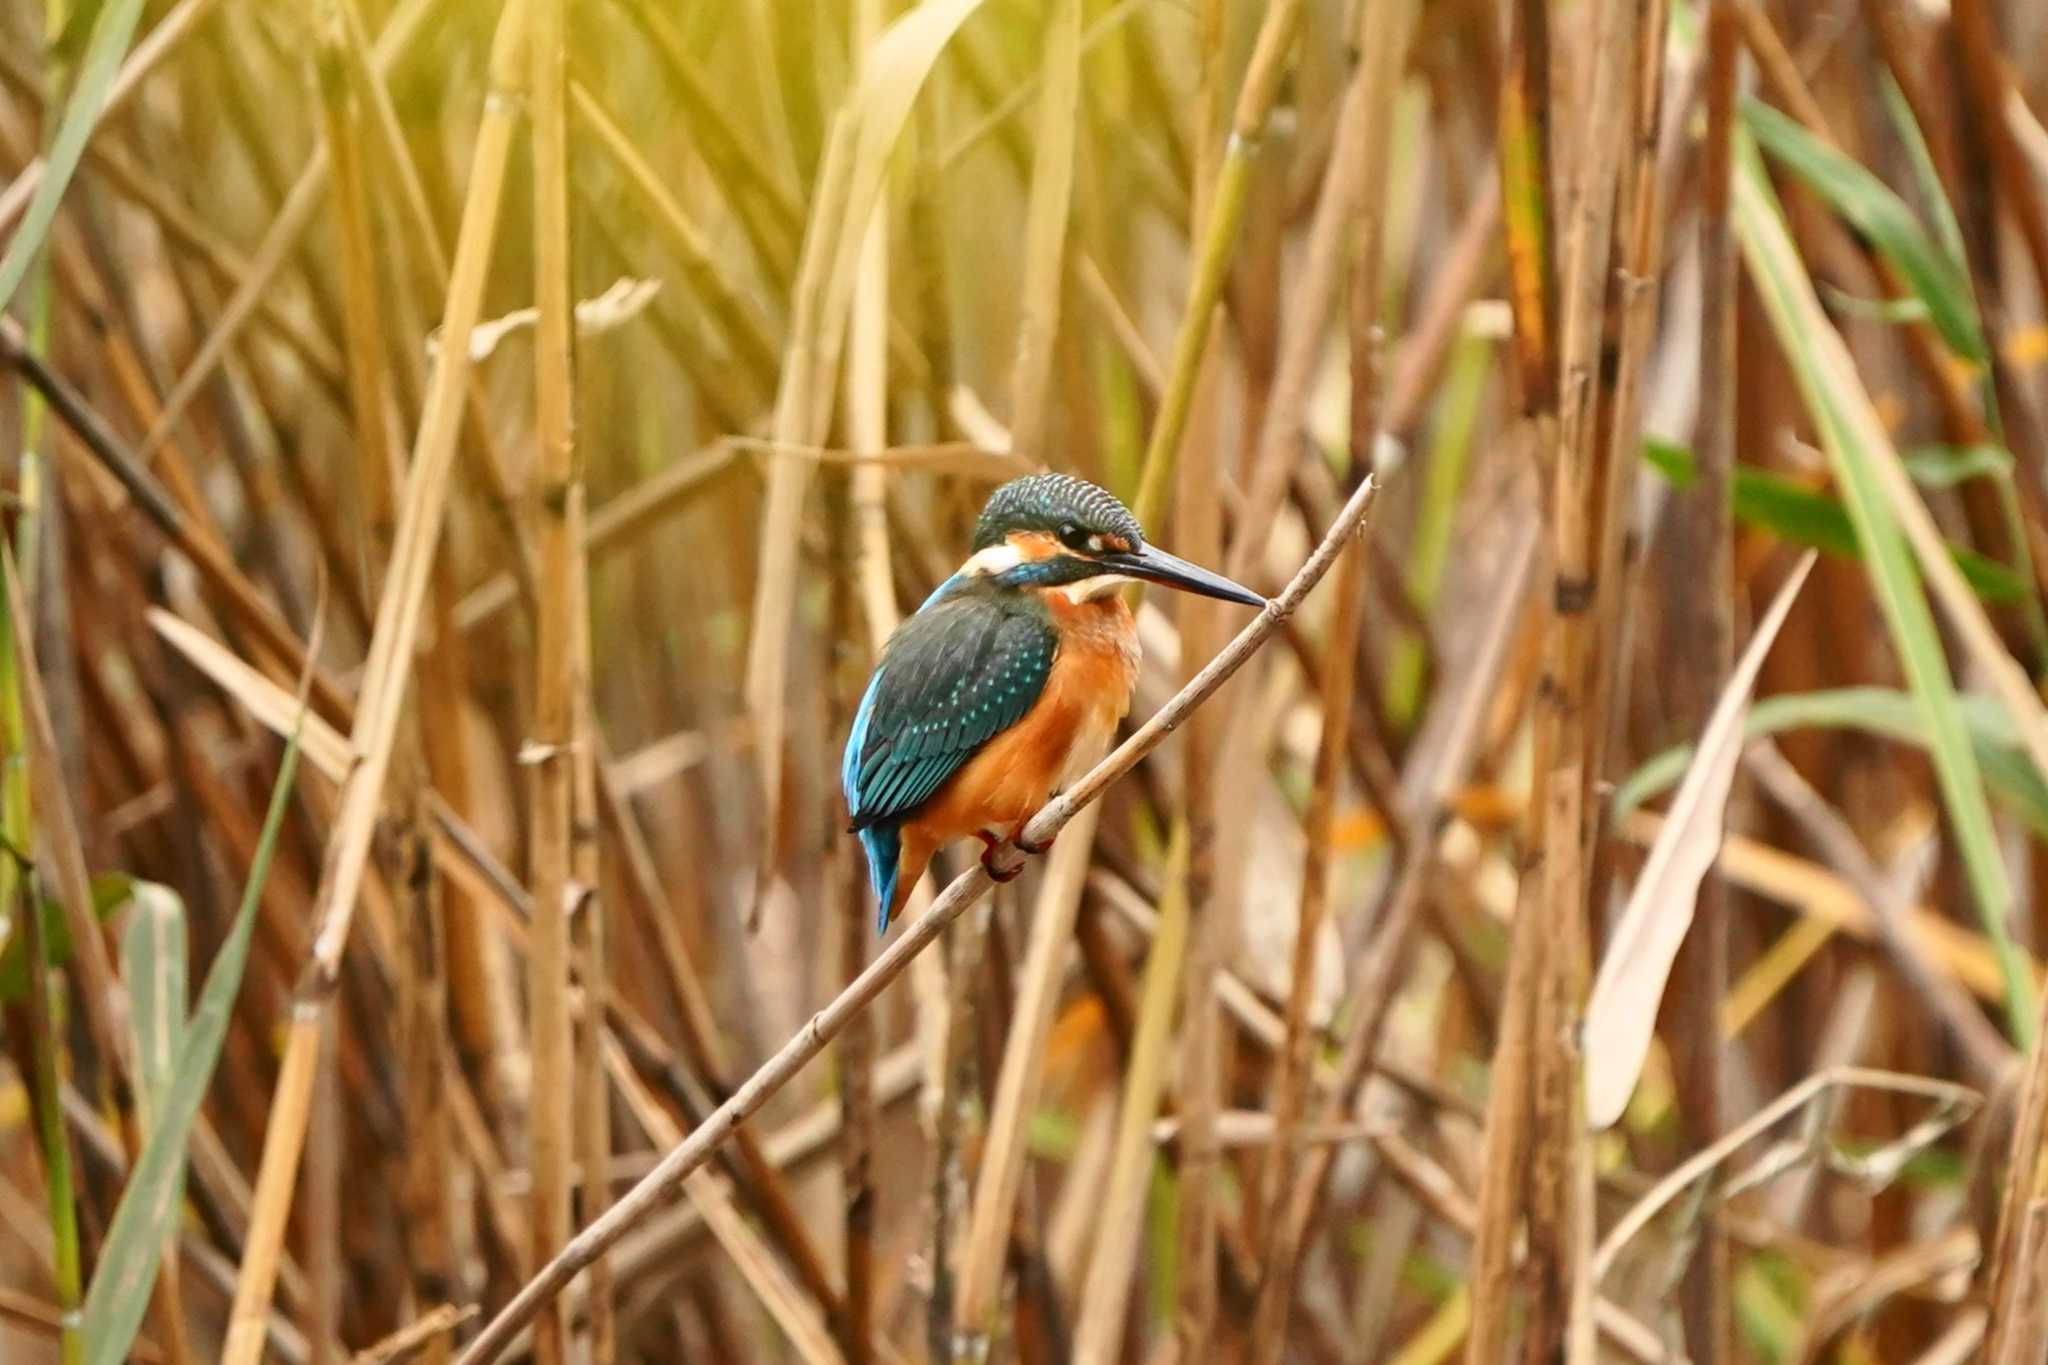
461	461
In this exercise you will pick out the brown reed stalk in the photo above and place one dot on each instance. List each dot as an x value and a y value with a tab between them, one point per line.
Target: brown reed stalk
1384	31
800	410
1099	1333
1994	173
1304	327
363	318
1987	86
1528	216
858	1143
1291	1076
383	696
1559	1211
560	685
2011	1262
1255	97
1201	1049
379	476
1019	1081
1700	976
856	503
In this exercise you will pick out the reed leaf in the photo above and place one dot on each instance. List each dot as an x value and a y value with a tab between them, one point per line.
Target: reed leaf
1622	1010
1833	397
1935	277
1805	516
1879	711
154	968
112	29
148	1212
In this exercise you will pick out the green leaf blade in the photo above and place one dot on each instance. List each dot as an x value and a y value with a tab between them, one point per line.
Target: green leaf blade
1835	401
120	1291
154	966
111	34
1881	216
1807	517
1881	711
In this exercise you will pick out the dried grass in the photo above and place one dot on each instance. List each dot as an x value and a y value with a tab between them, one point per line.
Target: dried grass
562	906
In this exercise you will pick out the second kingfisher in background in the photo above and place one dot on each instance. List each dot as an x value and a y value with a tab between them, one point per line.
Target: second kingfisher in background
1008	681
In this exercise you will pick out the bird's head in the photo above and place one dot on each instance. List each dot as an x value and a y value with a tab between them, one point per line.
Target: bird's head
1057	533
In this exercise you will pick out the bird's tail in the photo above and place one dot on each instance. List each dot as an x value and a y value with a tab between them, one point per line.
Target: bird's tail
884	845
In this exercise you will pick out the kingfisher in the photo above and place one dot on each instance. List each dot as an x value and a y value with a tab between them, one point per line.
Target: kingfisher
1008	682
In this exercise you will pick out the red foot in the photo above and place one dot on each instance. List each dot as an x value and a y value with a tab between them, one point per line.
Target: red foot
999	875
1035	850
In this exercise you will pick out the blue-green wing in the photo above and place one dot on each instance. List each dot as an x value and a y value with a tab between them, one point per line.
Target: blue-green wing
955	675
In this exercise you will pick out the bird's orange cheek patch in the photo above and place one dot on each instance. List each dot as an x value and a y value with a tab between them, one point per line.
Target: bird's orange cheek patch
1032	545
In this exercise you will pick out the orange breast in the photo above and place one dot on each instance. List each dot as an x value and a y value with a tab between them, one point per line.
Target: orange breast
1086	693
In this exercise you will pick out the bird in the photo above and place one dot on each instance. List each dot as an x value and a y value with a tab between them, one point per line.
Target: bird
1008	682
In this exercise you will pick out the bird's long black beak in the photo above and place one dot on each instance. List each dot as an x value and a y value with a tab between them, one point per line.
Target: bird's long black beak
1155	565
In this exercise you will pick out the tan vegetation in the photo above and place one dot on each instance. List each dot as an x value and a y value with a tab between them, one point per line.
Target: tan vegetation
463	460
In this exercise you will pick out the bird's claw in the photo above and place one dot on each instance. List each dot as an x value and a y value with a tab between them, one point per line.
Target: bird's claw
996	874
991	844
1036	850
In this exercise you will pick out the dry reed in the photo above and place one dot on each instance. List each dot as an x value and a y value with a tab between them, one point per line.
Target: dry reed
313	377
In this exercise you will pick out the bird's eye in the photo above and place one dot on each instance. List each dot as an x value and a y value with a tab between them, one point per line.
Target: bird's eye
1072	536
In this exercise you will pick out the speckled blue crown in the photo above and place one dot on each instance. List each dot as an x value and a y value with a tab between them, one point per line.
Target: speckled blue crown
1041	502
